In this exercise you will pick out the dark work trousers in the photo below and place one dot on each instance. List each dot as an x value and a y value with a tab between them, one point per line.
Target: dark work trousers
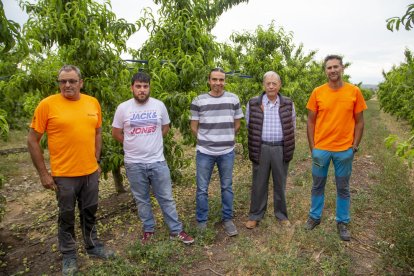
83	189
271	160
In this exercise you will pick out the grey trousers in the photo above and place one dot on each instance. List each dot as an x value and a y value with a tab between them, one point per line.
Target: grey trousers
84	190
271	160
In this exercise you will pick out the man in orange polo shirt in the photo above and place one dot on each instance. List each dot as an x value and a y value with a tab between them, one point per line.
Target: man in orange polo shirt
72	121
335	127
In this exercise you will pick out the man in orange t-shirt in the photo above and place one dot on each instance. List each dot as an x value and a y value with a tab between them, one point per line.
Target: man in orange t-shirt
335	127
72	122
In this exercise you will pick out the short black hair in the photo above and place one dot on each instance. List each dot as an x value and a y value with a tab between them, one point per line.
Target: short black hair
329	57
217	69
141	77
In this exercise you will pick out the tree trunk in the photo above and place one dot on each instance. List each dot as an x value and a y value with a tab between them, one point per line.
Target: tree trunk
118	180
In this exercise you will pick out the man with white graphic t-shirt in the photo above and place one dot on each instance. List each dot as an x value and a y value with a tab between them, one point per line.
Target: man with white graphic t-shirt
140	124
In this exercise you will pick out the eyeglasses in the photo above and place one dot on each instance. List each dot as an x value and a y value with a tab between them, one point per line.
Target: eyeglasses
71	82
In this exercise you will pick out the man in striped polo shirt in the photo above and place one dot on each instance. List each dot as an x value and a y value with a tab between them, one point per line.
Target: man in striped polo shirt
215	119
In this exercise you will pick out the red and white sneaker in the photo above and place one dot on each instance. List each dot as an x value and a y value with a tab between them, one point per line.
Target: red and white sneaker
182	236
146	237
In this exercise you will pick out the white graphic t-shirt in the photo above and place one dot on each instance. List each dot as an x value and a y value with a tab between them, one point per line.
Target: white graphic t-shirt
143	141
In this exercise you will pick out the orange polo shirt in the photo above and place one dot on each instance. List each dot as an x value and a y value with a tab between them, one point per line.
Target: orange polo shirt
71	130
335	120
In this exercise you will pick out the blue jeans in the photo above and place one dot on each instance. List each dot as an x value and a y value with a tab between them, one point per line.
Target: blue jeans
141	177
342	161
205	164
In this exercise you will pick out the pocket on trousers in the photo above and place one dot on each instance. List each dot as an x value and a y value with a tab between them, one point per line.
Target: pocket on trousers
316	161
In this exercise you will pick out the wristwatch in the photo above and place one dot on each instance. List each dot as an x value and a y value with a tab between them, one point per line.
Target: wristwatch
355	149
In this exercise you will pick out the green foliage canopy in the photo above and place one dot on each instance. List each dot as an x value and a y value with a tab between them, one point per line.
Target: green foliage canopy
13	48
180	52
407	20
396	96
83	33
272	49
9	33
396	93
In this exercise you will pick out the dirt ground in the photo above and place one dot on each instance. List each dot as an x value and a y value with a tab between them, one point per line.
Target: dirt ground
28	231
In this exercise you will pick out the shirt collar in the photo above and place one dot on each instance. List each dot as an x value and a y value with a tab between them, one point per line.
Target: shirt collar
267	101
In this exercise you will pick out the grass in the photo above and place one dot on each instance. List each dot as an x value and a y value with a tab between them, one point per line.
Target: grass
395	196
11	163
272	250
19	140
382	204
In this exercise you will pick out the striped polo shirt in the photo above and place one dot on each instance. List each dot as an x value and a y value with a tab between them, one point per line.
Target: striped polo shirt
215	116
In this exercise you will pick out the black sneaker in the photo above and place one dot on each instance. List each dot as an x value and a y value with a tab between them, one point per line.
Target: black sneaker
343	231
101	252
311	223
69	265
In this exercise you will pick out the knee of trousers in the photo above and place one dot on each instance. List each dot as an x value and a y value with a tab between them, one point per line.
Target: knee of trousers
342	184
67	219
227	188
318	186
90	212
202	191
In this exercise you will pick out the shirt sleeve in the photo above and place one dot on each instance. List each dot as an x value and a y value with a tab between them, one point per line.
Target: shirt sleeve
194	110
98	106
293	115
238	114
118	121
360	104
40	117
312	104
165	118
247	113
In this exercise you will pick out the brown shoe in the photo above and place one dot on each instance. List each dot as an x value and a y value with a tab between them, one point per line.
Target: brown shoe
250	224
284	223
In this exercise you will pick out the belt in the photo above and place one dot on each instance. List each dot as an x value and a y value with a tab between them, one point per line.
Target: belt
277	143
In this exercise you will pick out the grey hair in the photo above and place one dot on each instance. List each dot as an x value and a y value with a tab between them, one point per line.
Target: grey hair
271	73
69	67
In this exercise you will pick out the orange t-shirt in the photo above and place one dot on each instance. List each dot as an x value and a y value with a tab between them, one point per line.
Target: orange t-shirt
71	130
335	120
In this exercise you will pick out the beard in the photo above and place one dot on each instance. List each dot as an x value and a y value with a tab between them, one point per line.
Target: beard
335	77
142	98
218	89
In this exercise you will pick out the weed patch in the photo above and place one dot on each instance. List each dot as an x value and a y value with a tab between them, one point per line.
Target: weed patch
381	228
393	197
